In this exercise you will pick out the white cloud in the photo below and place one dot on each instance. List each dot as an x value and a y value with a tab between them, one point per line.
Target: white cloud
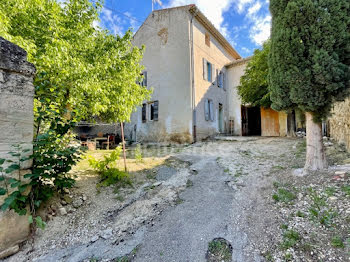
246	50
112	21
256	18
254	9
260	31
117	23
242	4
259	22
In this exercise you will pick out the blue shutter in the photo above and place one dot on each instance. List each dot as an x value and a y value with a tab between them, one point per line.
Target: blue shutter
206	109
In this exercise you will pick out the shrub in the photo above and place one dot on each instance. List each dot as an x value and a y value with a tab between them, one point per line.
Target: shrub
106	168
138	153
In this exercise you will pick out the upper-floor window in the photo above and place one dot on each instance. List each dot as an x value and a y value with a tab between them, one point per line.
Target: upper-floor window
208	70
220	81
207	39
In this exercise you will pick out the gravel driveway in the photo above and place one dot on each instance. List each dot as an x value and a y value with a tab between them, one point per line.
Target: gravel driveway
223	191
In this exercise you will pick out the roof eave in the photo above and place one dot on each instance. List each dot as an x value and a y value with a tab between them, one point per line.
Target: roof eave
211	28
239	62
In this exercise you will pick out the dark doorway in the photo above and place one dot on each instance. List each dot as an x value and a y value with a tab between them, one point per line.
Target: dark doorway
251	121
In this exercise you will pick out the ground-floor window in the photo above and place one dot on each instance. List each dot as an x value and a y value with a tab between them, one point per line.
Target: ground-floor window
209	110
144	113
153	110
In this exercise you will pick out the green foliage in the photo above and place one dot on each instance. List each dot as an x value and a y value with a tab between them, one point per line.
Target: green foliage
310	54
106	168
337	242
82	69
346	189
53	157
82	72
284	195
253	88
138	153
319	211
290	239
219	250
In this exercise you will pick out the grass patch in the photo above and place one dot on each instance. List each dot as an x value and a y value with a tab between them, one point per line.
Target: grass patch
330	191
319	211
290	239
300	149
219	250
346	190
337	242
239	172
284	195
120	198
189	183
300	214
179	201
288	257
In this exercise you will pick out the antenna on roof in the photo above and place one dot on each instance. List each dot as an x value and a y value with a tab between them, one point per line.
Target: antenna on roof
156	1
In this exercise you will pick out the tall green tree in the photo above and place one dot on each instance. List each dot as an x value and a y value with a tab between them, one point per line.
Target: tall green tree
79	66
309	63
83	71
253	88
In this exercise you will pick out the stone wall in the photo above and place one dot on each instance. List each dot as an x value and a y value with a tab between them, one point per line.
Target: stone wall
340	122
16	128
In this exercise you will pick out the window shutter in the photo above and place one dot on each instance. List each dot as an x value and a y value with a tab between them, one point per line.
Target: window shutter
145	78
144	106
206	109
217	78
213	73
211	110
205	69
223	81
155	113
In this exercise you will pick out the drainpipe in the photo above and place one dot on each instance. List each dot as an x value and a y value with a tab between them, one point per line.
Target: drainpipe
193	90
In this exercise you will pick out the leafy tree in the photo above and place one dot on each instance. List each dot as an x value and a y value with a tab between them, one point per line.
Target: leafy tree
82	72
309	63
91	72
253	87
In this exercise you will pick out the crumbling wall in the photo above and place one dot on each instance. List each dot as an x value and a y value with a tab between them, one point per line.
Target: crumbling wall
16	128
340	122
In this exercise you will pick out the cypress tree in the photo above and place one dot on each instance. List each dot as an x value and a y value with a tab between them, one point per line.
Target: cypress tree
309	63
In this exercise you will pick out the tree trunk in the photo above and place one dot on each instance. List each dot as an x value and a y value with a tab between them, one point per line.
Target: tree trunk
123	141
315	154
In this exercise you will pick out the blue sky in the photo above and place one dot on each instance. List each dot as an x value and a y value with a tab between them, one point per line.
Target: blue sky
244	23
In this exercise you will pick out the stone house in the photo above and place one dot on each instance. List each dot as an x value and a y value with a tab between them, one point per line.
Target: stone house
194	72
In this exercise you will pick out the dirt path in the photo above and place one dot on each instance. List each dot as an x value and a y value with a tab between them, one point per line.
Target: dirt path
220	189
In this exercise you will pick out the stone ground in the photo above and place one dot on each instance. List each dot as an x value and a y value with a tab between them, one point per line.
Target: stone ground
216	189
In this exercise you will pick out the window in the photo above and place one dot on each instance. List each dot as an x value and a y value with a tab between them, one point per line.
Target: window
209	110
144	79
144	115
220	79
153	110
208	70
207	39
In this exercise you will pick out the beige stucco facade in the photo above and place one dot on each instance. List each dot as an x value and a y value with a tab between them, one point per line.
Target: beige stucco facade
234	72
176	46
167	63
205	90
